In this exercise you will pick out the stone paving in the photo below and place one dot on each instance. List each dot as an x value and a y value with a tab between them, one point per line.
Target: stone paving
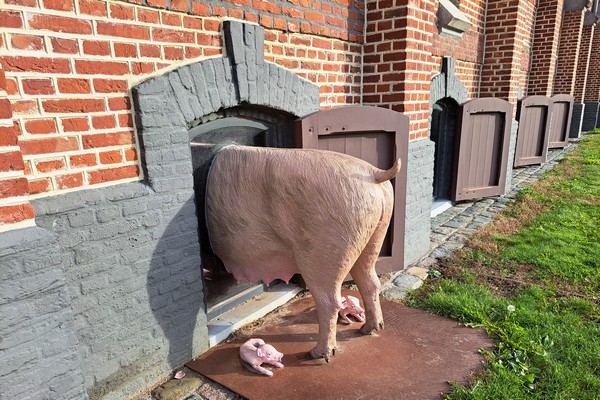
449	231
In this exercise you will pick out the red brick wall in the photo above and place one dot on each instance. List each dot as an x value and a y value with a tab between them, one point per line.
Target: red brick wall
568	52
15	209
509	28
332	64
548	20
69	66
592	90
398	63
468	50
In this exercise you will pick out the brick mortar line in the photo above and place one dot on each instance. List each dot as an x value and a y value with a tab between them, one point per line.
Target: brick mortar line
108	18
130	77
321	62
13	200
62	133
94	36
12	174
59	192
66	157
48	35
8	149
150	25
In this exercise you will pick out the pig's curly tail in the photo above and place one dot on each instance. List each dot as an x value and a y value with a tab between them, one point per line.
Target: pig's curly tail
382	175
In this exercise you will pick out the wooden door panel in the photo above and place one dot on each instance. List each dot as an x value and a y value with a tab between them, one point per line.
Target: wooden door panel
560	122
481	148
376	135
533	114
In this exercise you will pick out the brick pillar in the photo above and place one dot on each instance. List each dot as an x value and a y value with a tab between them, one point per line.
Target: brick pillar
548	19
591	99
398	63
507	50
583	66
15	209
569	50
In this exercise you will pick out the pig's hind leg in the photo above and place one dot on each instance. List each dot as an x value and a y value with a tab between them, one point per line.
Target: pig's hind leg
366	279
325	287
328	302
368	285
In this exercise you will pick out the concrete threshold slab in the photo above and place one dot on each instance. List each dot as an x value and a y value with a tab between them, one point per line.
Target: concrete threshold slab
439	206
219	328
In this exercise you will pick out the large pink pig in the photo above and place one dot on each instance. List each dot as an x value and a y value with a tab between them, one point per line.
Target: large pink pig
272	213
256	352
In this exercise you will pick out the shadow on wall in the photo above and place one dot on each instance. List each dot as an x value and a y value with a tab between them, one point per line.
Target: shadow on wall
175	287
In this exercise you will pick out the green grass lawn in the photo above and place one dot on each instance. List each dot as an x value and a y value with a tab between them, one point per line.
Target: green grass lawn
531	279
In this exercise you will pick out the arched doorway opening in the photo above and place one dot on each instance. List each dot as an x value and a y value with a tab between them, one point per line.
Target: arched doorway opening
443	128
246	125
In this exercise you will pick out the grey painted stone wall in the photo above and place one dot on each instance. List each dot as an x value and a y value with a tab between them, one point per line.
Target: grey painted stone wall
38	345
419	189
511	155
131	263
576	120
591	116
446	84
112	280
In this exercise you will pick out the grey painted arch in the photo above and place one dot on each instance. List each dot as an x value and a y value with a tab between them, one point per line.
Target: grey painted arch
167	106
446	84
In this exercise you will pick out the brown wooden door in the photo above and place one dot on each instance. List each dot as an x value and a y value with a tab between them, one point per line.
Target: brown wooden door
481	146
376	135
534	127
560	123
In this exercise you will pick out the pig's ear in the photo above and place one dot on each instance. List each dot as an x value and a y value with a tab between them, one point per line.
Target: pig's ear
259	352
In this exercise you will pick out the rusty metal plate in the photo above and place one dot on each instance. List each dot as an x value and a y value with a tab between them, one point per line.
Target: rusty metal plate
414	357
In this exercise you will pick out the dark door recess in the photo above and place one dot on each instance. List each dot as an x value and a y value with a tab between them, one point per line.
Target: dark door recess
562	111
443	130
221	291
481	148
533	114
376	135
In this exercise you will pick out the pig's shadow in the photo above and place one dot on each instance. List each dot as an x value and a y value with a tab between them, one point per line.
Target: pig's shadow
175	288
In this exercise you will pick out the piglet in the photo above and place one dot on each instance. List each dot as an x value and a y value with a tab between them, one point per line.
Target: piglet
351	306
255	352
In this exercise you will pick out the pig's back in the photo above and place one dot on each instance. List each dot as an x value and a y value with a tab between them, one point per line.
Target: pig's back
278	204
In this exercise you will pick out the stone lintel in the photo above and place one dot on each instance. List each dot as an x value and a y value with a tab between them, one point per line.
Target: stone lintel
577	5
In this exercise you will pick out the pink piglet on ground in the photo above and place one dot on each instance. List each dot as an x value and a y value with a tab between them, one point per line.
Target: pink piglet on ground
351	306
256	352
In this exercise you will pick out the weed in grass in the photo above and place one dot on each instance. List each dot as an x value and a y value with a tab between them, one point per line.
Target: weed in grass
546	347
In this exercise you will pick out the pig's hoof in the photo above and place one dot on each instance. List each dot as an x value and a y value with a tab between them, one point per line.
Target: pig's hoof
369	329
314	353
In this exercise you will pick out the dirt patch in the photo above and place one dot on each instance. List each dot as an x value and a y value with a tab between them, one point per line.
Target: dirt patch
501	277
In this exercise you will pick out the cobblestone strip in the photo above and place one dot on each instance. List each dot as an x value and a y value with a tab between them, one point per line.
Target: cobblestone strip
451	229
